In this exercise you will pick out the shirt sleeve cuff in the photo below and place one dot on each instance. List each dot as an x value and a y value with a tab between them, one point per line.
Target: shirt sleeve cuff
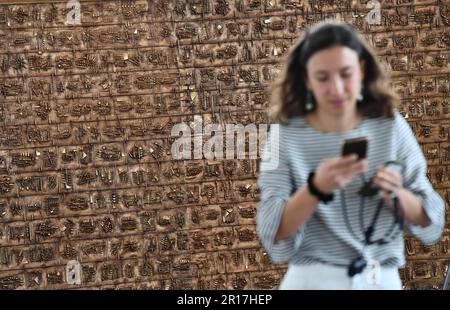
433	206
269	219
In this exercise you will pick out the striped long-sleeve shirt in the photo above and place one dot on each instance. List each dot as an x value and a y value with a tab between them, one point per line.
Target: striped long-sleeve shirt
334	233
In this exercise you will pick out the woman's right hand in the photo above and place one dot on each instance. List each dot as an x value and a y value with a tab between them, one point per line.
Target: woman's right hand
335	173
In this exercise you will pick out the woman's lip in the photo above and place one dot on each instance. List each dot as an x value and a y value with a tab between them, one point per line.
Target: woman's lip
338	102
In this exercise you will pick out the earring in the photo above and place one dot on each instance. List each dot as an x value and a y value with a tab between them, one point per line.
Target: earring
309	101
360	97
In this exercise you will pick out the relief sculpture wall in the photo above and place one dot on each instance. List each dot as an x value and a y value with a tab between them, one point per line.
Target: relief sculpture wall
86	112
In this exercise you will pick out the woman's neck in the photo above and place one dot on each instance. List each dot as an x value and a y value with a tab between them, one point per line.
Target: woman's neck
331	123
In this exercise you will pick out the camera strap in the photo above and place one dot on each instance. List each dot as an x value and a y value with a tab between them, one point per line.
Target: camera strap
358	264
368	232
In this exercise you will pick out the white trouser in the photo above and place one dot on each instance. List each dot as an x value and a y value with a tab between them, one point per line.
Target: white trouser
327	277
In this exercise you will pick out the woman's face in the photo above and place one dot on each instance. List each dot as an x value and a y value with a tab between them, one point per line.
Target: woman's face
334	75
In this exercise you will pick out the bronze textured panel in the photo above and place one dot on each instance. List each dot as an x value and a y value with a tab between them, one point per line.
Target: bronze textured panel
86	112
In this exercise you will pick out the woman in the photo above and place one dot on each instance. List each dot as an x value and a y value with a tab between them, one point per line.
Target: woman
314	213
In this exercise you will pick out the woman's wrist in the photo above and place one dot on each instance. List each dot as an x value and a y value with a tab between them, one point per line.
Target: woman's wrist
320	186
412	207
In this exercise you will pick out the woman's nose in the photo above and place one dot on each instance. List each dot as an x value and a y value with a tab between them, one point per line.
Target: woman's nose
337	87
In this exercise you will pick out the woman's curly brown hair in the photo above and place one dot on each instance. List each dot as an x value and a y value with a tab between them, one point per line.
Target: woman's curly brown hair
289	93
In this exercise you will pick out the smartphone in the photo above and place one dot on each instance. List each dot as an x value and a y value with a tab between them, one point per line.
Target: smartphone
356	146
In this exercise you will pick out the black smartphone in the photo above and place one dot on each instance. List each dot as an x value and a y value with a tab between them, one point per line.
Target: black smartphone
356	146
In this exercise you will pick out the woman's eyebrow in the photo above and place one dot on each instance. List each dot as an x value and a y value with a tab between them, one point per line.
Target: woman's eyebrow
320	72
346	68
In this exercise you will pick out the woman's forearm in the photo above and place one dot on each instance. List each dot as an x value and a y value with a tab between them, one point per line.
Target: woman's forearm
297	210
412	210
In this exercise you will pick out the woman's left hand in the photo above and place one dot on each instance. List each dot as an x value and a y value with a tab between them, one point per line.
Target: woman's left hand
388	181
